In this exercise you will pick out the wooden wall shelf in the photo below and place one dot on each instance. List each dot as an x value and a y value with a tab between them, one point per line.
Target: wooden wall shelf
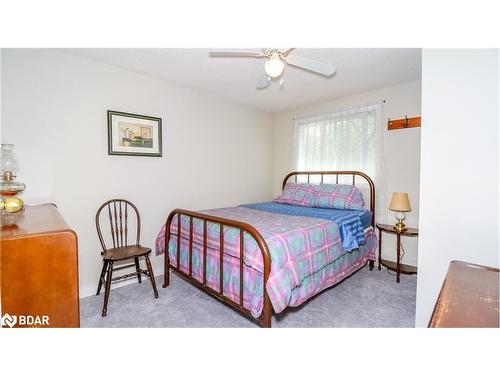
403	123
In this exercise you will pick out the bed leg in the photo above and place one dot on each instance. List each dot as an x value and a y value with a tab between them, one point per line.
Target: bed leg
267	312
166	272
166	277
266	322
371	263
166	264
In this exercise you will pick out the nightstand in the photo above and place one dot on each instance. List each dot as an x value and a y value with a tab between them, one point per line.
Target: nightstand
395	266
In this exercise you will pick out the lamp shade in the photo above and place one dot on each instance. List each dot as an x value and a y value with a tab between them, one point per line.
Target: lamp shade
400	202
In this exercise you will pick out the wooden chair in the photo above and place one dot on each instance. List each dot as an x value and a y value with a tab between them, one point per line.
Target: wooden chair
118	214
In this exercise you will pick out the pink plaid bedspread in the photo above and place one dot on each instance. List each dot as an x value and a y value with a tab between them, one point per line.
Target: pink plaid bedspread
306	256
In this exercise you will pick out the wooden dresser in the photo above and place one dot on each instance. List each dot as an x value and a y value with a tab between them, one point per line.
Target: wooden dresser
39	270
468	298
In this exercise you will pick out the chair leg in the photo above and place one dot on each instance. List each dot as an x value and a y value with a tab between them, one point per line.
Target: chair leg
103	273
138	269
151	275
108	287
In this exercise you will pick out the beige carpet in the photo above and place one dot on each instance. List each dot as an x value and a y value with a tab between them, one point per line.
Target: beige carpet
365	299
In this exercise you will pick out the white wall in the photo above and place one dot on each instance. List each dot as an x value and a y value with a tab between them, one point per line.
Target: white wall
216	153
459	167
402	151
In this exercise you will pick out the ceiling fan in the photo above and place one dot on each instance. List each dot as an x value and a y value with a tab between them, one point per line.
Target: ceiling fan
275	65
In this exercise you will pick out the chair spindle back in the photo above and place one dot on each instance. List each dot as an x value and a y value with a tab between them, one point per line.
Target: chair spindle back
118	211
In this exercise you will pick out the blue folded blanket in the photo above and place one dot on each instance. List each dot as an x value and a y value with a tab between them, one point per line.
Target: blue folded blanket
351	223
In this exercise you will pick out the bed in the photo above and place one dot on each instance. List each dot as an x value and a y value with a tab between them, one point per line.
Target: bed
283	254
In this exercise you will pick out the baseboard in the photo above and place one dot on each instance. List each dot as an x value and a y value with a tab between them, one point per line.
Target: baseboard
91	289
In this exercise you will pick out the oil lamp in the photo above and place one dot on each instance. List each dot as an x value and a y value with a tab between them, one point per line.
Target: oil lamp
10	205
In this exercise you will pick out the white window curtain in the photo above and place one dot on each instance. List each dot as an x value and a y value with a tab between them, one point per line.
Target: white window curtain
345	140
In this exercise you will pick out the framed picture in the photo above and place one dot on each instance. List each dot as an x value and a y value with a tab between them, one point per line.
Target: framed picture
133	135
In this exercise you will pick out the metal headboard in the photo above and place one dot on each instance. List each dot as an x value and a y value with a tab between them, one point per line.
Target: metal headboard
337	173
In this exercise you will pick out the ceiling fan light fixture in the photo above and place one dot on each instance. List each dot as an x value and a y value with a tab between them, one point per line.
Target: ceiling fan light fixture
274	66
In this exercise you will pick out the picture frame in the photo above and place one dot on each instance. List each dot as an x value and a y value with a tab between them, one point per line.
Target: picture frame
130	134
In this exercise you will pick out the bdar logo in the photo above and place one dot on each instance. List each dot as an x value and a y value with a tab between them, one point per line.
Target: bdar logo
9	320
25	320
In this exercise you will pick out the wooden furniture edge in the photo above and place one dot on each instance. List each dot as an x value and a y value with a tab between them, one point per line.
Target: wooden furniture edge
48	233
432	321
403	267
409	233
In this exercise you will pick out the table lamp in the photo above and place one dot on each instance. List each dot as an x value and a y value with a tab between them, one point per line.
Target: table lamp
401	204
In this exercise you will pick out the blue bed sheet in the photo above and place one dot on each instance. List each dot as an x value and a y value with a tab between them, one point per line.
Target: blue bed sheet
351	223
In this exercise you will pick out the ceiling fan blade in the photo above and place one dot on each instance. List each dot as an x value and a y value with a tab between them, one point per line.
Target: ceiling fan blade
263	82
312	65
285	51
223	53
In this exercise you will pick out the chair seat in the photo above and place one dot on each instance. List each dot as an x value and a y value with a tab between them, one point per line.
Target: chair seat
125	252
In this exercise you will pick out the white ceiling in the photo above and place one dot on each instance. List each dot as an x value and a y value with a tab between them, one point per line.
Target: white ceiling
358	70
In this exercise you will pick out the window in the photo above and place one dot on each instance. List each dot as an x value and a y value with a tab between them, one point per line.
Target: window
345	140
